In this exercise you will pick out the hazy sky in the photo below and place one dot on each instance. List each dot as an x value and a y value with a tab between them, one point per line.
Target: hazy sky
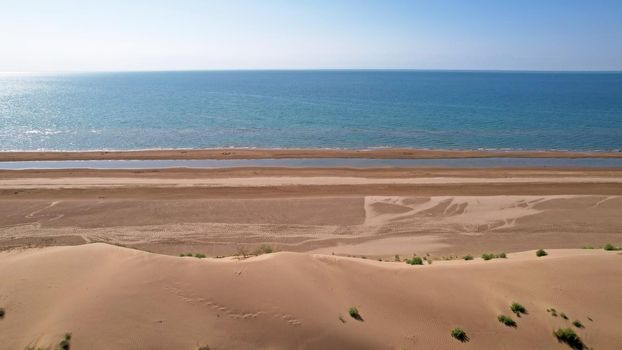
63	35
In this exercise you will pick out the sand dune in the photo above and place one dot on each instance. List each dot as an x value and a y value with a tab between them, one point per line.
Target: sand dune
117	298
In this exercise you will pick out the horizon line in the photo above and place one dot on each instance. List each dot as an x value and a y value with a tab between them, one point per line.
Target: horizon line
322	69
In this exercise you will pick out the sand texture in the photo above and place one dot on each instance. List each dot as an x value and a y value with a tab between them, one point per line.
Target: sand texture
117	298
67	263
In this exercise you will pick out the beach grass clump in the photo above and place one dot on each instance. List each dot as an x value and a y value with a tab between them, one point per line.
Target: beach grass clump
199	255
518	309
611	247
488	256
355	314
507	320
243	252
415	261
468	257
186	254
541	252
578	324
264	249
203	347
65	344
569	337
460	334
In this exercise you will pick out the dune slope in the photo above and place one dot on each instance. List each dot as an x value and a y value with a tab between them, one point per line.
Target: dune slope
117	298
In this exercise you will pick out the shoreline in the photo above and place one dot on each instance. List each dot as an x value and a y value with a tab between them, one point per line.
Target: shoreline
244	153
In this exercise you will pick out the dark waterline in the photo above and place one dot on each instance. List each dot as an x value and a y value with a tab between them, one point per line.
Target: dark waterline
320	163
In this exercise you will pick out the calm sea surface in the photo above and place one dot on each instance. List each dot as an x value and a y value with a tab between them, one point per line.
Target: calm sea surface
327	109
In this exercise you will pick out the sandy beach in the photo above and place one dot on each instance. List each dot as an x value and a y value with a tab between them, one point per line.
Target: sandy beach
336	233
342	211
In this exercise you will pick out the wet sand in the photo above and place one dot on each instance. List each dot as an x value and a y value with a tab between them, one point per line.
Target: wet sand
392	153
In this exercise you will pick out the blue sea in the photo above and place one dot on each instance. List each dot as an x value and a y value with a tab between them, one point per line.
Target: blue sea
311	109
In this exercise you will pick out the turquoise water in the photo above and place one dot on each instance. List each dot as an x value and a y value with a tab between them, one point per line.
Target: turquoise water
328	109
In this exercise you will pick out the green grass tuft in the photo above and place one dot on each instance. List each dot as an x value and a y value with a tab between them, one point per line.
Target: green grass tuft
569	337
518	309
415	261
354	313
460	334
264	249
468	257
199	255
65	344
489	256
578	324
507	320
541	252
611	247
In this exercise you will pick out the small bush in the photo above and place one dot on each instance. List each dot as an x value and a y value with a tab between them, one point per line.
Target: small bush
568	336
354	313
199	255
203	347
264	249
610	247
243	252
468	257
541	253
488	256
518	309
507	320
459	334
578	324
501	256
415	261
65	344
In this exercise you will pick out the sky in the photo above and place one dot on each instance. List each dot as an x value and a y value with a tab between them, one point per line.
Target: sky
125	35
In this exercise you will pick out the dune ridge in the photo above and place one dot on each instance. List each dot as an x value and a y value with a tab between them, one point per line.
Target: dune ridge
113	297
